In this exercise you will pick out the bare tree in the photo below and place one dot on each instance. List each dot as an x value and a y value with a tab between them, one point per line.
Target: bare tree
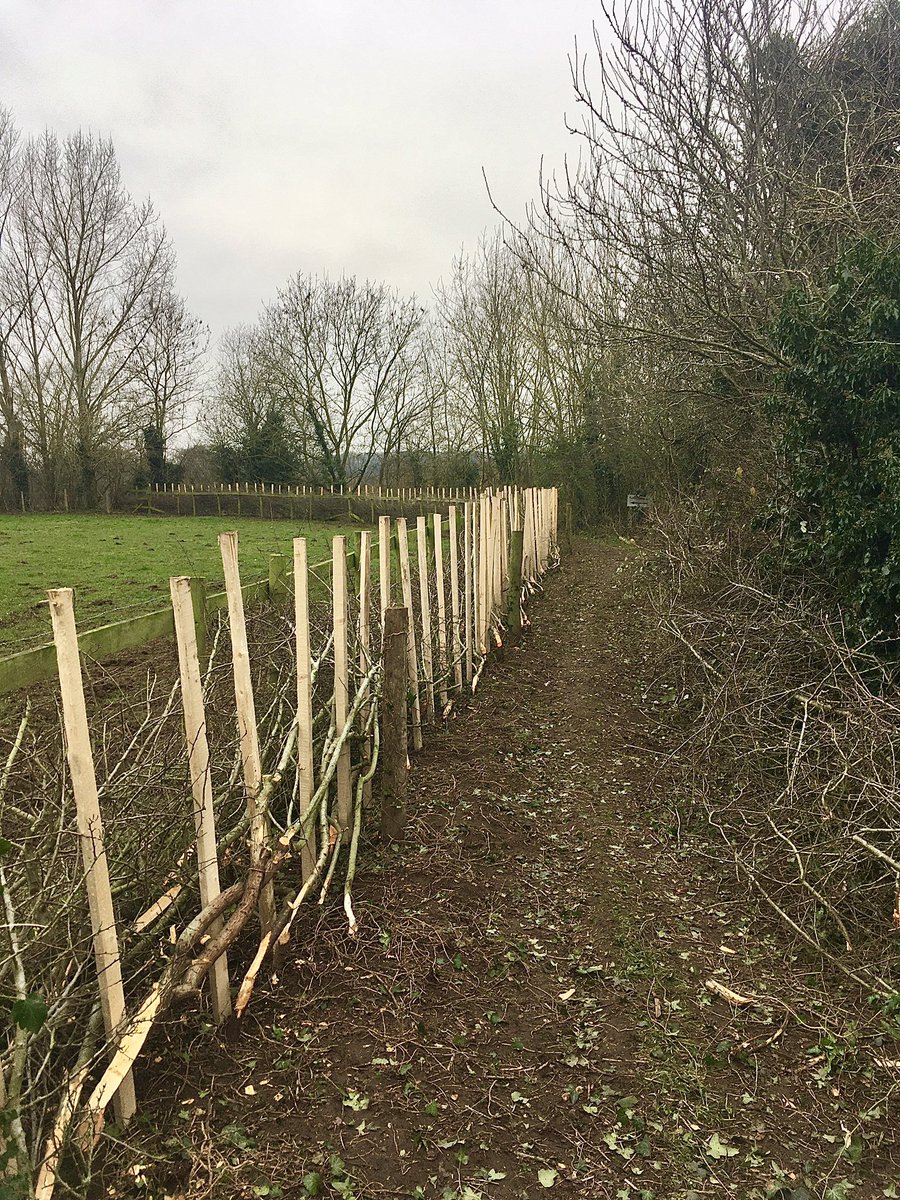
341	356
728	149
241	397
251	433
12	454
484	310
104	255
169	362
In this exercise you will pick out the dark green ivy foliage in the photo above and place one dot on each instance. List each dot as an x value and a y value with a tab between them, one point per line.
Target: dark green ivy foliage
155	468
837	414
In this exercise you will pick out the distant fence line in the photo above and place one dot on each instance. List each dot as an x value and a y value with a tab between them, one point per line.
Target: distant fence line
364	490
352	692
286	503
140	498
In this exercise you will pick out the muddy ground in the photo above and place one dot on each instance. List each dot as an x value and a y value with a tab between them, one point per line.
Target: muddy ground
526	1010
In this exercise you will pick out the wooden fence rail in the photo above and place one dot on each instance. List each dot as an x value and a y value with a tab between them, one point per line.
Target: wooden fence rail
306	793
27	667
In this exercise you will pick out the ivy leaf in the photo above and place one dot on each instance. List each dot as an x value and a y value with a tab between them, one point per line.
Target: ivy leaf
716	1148
853	1148
356	1101
29	1014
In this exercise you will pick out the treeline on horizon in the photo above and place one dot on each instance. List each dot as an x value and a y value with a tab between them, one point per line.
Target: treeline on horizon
708	298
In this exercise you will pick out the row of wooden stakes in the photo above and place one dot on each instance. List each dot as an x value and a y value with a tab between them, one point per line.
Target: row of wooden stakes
470	588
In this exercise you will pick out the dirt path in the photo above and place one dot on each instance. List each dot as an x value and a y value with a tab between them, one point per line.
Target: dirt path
524	1012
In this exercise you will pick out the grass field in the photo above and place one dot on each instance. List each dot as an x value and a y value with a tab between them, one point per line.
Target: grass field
120	565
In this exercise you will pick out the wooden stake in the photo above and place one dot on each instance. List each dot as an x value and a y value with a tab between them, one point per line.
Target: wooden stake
425	605
496	568
483	577
468	554
441	609
305	760
457	643
384	564
341	677
246	719
536	531
406	591
90	830
198	600
365	647
201	783
394	724
503	548
527	563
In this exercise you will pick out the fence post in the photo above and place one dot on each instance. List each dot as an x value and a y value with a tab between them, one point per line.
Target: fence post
201	784
393	724
425	604
468	554
406	591
456	630
341	678
246	716
384	564
484	577
443	671
365	649
305	758
90	830
514	594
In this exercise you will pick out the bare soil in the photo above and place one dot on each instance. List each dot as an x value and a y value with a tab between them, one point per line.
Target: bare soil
525	1011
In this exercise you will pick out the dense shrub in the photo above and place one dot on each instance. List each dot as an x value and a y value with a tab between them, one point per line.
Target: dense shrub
836	409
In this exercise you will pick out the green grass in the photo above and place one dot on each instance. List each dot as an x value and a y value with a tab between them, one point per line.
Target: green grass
120	565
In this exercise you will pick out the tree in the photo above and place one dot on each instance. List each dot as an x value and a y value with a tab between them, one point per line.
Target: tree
100	258
251	438
340	358
168	365
13	467
484	311
729	150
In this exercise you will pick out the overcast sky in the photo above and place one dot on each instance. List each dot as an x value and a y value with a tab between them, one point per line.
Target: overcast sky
274	136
